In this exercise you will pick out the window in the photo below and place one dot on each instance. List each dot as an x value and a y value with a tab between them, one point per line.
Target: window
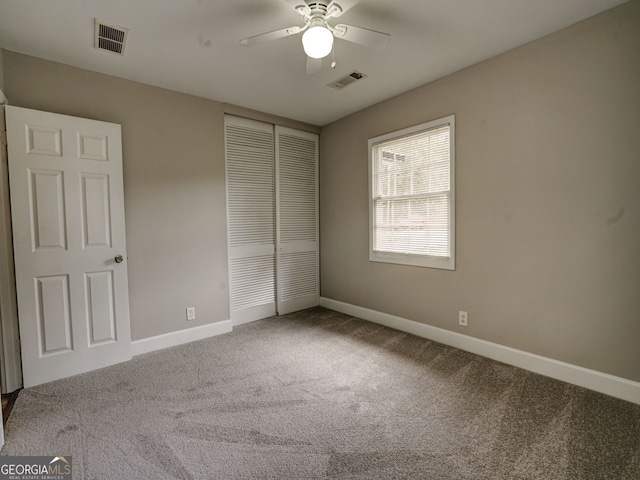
412	196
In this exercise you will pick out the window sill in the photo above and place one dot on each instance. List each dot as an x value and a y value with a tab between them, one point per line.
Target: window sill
414	260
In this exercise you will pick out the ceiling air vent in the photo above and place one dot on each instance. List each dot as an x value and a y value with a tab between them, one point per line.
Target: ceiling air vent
110	37
348	80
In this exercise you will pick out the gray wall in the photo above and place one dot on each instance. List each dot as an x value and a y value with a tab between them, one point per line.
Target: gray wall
548	199
1	72
174	184
173	153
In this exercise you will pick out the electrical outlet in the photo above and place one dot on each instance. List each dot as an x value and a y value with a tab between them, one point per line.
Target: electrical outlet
191	313
463	318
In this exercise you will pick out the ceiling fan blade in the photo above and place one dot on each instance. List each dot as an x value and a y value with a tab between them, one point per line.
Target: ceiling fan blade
299	6
363	36
267	37
314	65
343	6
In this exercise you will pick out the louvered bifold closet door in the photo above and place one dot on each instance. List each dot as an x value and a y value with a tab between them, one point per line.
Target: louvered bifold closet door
297	219
251	218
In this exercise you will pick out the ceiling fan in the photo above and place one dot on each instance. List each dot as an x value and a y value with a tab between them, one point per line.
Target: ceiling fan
318	36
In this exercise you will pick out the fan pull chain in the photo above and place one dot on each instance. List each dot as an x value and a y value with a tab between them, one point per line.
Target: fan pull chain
333	54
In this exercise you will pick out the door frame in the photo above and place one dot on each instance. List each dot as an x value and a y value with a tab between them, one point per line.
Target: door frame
10	359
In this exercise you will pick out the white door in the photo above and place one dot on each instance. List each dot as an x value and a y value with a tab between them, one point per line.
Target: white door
297	220
251	218
67	207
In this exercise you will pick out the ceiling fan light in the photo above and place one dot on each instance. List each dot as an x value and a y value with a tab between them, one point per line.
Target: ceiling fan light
317	41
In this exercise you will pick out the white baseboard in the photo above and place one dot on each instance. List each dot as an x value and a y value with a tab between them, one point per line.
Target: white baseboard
583	377
166	340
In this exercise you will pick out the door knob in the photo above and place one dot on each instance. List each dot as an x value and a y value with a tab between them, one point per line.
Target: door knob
119	259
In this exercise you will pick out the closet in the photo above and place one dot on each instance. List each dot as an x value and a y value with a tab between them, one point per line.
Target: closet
272	209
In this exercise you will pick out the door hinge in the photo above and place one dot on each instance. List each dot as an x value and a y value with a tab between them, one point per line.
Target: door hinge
3	138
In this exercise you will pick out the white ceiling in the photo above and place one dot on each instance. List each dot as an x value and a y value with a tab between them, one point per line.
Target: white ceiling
192	46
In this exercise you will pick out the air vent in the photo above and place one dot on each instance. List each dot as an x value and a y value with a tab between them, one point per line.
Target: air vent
348	80
110	37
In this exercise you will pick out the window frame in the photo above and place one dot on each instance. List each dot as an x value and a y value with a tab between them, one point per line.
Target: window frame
416	259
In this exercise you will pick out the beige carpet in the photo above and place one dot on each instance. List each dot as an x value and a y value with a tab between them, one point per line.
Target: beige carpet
322	395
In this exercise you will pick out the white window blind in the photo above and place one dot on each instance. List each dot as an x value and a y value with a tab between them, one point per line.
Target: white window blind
412	195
